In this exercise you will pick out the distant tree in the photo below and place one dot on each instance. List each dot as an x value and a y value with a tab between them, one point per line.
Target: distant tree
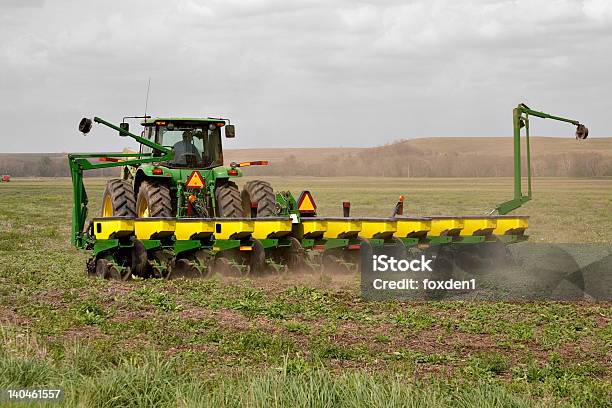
45	167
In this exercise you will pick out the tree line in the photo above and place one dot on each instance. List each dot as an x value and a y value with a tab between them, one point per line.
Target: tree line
49	165
399	161
442	165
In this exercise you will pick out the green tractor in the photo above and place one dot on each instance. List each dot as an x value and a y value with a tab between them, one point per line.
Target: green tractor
176	212
178	173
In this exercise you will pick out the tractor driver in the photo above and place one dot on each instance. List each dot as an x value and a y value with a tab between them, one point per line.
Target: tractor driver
184	147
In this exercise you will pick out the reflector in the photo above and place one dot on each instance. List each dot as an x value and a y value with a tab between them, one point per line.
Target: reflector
195	180
306	203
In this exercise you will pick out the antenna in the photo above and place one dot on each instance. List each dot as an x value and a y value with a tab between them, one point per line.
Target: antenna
147	100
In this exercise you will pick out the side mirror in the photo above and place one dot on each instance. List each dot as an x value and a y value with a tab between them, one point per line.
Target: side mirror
125	128
230	131
582	132
85	126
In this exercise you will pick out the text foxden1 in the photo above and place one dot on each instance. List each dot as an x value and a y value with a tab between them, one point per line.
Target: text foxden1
385	263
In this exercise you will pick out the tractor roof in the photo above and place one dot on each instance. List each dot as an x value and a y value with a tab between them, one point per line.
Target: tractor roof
152	121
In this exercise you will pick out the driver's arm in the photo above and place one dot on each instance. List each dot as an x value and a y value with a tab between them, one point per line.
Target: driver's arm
179	151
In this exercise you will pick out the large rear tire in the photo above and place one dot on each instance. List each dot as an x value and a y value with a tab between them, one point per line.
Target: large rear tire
118	199
154	200
228	200
260	192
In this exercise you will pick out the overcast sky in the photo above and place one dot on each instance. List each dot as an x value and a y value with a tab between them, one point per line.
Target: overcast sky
301	73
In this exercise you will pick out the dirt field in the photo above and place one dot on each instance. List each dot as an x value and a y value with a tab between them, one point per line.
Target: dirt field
272	340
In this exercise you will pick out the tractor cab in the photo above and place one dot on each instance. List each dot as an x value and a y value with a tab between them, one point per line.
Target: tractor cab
195	143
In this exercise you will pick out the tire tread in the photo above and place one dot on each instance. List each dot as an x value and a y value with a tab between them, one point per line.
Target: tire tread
122	197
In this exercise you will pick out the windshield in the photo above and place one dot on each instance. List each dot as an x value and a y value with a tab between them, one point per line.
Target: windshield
193	146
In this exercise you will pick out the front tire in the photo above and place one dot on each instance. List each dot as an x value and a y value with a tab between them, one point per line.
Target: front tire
154	200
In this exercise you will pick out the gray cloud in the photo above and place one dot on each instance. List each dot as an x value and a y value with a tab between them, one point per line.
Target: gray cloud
302	73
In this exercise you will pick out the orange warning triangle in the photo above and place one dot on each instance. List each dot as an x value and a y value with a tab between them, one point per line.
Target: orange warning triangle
195	180
306	203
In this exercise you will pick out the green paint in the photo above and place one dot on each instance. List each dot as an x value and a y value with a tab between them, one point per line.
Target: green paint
287	204
439	240
409	242
470	239
508	239
225	244
375	242
336	243
268	243
520	119
185	246
102	245
151	244
307	243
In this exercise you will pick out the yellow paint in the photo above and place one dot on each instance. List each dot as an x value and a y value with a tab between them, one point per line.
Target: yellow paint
154	228
313	226
193	229
340	228
271	228
511	225
112	228
478	226
233	229
143	209
107	206
445	226
412	228
379	229
246	248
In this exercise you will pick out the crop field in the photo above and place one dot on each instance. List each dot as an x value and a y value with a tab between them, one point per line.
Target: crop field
298	340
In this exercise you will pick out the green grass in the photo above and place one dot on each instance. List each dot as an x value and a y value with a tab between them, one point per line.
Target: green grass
296	341
154	380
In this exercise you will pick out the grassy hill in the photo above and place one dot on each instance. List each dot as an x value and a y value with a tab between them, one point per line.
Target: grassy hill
426	157
503	145
438	157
